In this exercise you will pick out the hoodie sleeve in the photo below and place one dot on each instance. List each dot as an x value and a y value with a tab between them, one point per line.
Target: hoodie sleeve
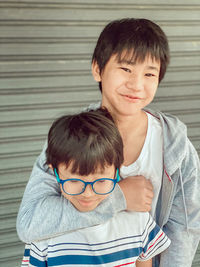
183	225
45	213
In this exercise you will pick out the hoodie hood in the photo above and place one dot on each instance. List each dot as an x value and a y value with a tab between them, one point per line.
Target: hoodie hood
175	140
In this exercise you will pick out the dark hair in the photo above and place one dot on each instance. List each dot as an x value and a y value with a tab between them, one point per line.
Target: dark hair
88	141
132	39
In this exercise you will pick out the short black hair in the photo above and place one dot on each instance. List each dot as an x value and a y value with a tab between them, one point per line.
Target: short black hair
88	140
132	39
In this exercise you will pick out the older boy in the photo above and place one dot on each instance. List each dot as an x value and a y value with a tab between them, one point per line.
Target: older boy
129	61
85	151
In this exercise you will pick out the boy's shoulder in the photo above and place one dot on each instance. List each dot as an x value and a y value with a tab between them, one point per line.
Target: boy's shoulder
173	129
125	226
124	223
130	217
168	120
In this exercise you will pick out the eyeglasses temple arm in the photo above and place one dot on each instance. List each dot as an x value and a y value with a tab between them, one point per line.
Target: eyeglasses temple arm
56	174
117	175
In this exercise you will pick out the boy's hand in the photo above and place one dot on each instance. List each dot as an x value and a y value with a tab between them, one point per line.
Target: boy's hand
138	192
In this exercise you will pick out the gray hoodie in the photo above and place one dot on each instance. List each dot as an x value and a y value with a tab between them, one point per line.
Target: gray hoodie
44	213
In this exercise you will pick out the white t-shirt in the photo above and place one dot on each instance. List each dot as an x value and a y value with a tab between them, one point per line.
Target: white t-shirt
127	237
150	161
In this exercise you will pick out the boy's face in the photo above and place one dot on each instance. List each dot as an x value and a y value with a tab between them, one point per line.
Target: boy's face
88	200
127	87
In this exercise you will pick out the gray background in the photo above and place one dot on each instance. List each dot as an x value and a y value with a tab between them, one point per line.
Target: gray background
45	52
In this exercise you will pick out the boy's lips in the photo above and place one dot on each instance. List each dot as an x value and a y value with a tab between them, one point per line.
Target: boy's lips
131	97
84	202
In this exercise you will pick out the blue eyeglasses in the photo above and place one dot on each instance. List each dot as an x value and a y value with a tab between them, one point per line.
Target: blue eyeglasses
101	186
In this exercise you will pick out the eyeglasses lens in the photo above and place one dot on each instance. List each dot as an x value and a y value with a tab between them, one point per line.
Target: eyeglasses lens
75	187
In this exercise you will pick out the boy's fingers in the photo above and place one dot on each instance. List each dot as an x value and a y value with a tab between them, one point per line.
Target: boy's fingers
150	194
148	201
147	207
149	184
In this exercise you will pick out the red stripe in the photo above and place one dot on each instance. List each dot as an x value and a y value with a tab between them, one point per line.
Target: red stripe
155	241
147	111
125	264
167	174
152	244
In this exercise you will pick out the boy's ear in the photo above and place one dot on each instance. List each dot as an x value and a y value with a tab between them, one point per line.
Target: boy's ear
96	71
50	166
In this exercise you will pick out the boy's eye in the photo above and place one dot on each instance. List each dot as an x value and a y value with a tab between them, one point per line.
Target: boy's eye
149	74
74	181
126	70
100	182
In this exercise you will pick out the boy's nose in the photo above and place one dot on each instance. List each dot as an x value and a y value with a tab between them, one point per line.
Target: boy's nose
135	83
88	191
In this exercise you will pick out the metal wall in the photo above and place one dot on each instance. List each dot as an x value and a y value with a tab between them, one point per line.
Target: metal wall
45	52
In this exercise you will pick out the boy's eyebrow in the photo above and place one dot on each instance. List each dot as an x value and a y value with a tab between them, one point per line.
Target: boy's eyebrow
153	68
150	67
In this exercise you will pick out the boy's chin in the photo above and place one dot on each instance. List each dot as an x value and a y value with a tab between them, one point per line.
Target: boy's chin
85	209
87	206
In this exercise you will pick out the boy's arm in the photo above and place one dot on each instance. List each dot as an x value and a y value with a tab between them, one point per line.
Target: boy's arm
147	263
44	212
184	231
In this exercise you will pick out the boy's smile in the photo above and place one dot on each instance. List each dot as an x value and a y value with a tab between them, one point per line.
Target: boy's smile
88	200
127	87
85	204
131	98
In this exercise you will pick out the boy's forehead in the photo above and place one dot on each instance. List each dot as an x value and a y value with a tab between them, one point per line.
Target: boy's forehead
132	59
65	168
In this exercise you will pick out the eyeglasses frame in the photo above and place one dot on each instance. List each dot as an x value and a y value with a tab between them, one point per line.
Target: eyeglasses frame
60	181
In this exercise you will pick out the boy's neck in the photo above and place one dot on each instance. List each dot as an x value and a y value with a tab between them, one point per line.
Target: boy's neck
133	130
129	124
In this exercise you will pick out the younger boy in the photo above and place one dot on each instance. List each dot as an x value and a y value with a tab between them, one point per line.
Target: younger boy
85	151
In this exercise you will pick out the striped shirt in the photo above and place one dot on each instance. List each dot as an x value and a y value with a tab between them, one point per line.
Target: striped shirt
127	237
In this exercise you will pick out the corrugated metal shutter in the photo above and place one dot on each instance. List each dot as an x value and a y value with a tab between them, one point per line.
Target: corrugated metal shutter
45	52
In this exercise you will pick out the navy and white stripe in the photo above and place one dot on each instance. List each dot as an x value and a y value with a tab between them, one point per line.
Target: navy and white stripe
124	239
